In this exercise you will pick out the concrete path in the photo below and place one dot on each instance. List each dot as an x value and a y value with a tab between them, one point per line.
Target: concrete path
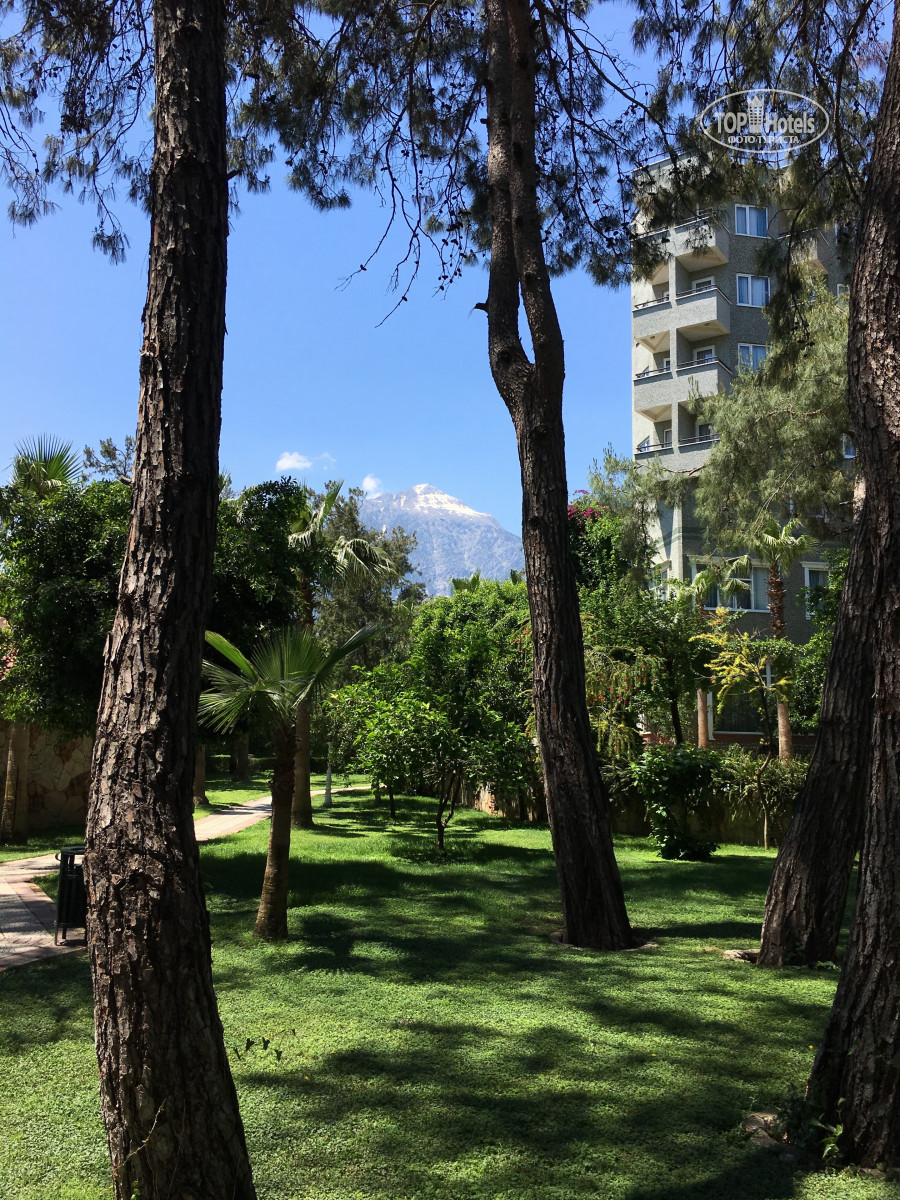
28	915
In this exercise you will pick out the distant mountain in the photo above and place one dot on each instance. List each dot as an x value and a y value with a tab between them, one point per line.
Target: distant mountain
453	540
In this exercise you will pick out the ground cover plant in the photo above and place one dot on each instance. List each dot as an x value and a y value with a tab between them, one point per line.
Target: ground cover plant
420	1036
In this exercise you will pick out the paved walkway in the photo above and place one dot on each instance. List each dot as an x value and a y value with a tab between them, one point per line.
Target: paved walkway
28	915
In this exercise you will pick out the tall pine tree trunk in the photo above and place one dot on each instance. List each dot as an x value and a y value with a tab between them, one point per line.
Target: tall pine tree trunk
14	814
271	917
855	1078
808	890
592	899
167	1096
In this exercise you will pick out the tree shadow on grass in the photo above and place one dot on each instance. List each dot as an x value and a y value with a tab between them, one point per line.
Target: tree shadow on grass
539	1115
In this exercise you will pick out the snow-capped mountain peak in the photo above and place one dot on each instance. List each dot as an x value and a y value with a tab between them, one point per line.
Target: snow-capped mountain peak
454	540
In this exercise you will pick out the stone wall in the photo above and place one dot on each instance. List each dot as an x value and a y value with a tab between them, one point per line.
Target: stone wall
59	776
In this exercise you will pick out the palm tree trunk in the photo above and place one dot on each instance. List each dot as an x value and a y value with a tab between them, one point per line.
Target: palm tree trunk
14	816
785	737
200	775
593	903
271	918
702	719
301	805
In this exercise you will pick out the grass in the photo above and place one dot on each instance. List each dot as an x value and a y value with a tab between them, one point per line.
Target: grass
433	1044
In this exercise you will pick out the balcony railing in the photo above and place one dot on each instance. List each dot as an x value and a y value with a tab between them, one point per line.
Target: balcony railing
697	365
664	299
654	448
652	373
700	440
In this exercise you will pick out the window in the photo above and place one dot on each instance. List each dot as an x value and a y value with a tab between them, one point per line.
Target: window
660	585
814	577
759	588
753	291
667	364
754	221
703	285
750	357
739	598
643	446
847	447
665	437
843	289
704	432
706	354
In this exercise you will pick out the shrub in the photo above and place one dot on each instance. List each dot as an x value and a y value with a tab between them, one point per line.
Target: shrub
676	783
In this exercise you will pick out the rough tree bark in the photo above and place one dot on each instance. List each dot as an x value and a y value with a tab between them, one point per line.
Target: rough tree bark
855	1077
167	1096
808	890
592	900
14	815
271	917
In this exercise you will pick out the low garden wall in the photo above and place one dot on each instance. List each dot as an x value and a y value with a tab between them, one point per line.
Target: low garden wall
59	777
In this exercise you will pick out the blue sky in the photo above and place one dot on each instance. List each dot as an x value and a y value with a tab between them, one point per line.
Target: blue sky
308	372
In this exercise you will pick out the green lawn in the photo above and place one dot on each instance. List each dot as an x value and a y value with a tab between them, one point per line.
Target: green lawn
435	1045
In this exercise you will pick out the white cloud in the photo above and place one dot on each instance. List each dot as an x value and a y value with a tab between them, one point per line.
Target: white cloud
326	459
293	462
372	485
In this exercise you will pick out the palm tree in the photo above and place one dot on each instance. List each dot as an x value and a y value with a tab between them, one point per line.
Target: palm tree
43	465
778	547
329	559
39	467
287	669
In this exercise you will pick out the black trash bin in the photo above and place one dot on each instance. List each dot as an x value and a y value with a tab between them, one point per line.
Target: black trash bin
71	900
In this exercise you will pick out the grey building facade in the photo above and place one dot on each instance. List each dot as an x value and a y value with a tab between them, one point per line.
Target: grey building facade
697	322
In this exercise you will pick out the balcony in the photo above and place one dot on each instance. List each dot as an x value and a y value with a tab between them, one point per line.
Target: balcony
656	242
651	322
703	379
700	244
809	249
652	391
703	314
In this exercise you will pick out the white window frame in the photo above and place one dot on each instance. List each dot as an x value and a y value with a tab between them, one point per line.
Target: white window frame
706	284
848	447
700	362
663	434
751	346
812	566
747	209
698	565
750	279
709	435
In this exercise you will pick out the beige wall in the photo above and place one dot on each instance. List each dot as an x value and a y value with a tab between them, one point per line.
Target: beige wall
59	775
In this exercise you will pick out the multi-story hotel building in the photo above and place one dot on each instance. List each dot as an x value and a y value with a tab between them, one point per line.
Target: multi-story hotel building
697	321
